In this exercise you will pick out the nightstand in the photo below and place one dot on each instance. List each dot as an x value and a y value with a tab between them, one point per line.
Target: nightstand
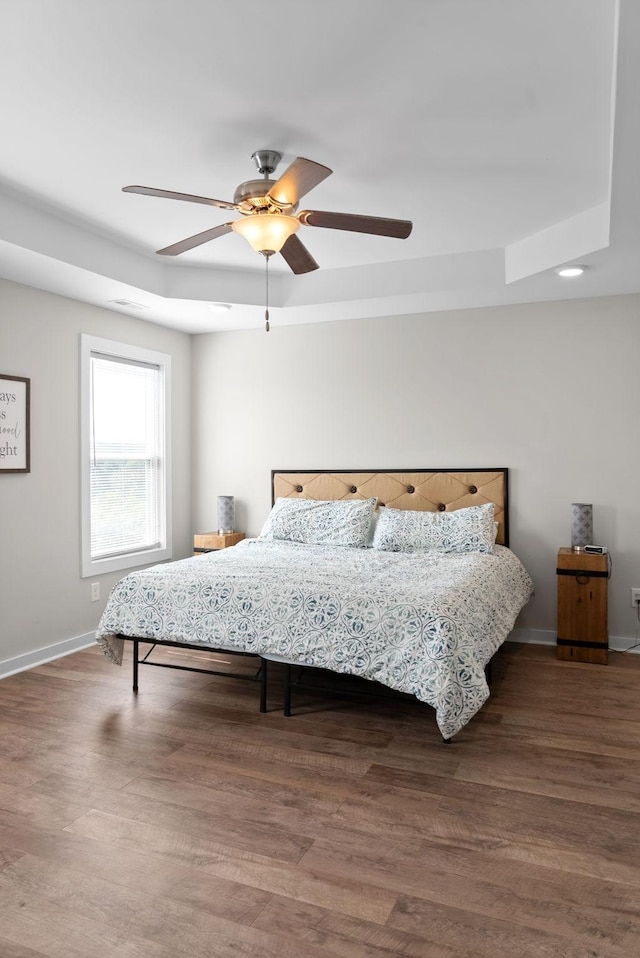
583	634
212	541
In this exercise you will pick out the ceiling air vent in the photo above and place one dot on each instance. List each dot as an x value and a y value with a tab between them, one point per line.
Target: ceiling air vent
128	304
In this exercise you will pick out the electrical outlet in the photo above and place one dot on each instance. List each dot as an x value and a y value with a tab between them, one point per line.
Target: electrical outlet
635	598
95	591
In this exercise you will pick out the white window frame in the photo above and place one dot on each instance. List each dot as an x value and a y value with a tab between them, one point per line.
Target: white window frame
90	345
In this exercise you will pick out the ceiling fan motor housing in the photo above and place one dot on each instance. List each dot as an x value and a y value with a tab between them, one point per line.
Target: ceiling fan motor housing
252	195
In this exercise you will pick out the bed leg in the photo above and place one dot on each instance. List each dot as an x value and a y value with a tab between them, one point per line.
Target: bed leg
287	690
446	741
135	665
263	685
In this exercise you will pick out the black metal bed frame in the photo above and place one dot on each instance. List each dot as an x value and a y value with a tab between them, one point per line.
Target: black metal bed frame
260	675
290	683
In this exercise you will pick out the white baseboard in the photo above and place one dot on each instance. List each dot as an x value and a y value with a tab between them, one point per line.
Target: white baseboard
533	636
29	660
619	643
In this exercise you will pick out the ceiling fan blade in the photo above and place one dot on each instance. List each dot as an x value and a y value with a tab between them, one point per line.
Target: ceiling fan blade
300	177
378	225
192	241
188	197
298	256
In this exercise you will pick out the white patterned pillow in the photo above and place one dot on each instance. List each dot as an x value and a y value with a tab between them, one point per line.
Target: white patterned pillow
343	522
462	530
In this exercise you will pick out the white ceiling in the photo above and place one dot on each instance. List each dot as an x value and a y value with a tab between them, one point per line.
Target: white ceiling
508	131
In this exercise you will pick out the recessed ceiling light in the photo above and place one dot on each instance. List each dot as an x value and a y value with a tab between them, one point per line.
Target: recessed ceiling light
219	307
570	272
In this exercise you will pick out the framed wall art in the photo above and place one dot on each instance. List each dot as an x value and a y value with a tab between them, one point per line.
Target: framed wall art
14	424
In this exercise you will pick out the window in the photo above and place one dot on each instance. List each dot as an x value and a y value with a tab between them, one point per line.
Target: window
125	456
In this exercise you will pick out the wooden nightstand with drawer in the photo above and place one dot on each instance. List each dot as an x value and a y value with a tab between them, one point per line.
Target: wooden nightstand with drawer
213	541
583	579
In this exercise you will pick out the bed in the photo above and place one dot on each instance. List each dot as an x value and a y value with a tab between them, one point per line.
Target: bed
311	592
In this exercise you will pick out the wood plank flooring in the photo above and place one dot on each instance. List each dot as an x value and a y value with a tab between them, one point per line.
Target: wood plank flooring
182	823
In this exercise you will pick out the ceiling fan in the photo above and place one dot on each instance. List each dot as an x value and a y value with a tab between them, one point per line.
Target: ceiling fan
268	207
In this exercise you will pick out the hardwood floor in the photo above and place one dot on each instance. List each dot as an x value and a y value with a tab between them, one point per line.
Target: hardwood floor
182	823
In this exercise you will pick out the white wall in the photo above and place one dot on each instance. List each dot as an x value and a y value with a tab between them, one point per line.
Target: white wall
481	387
486	387
43	600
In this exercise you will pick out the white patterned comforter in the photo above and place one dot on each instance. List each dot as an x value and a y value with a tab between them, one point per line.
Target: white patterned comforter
420	623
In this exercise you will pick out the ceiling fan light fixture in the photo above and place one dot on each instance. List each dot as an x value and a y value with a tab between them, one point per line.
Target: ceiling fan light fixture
266	232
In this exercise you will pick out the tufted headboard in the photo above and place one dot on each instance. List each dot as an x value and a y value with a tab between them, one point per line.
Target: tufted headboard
424	489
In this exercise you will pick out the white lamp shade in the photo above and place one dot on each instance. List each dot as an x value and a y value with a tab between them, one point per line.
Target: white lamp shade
581	524
266	232
226	514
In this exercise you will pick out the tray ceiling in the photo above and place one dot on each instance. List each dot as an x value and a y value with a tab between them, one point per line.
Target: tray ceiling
507	132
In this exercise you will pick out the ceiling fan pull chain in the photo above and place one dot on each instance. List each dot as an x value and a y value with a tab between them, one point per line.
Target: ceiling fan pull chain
266	311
